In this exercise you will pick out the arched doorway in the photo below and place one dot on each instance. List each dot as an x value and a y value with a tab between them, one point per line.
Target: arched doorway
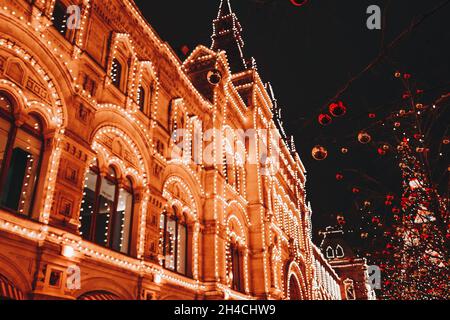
294	288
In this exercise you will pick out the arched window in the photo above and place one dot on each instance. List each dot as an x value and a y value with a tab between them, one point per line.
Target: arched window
117	73
20	155
107	210
294	289
330	253
339	251
174	242
236	268
141	98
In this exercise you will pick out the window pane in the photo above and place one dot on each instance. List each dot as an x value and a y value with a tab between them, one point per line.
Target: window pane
5	126
182	242
106	207
88	205
116	74
122	222
236	268
141	98
22	173
60	17
169	242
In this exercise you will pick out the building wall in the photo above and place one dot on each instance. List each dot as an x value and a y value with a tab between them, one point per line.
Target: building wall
67	81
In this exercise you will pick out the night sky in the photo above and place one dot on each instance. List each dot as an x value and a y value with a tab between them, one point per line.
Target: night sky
309	54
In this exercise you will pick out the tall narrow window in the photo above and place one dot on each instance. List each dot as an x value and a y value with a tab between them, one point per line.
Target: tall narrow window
122	219
174	243
236	268
89	202
106	208
60	17
141	98
116	73
20	152
107	211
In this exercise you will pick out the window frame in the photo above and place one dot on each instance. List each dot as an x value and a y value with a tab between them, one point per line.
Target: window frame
238	282
9	148
178	221
111	223
68	34
122	82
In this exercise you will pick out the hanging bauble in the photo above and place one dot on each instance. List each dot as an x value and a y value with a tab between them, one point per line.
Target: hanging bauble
388	203
420	150
447	236
406	95
339	176
386	147
214	77
397	74
420	106
446	141
402	112
406	76
338	109
340	219
381	151
395	210
397	124
367	203
364	235
372	115
364	137
375	220
319	153
324	119
356	190
420	91
390	197
185	50
344	150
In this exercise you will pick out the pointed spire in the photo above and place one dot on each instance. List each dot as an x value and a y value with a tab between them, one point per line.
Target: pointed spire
227	36
224	8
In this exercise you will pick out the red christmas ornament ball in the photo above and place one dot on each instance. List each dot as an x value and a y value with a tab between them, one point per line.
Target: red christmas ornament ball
337	109
381	151
324	119
319	153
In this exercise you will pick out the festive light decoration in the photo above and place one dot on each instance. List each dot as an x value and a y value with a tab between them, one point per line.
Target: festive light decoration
319	153
407	235
364	137
338	109
125	71
324	119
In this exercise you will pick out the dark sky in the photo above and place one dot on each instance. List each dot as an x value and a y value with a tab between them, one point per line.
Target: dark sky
309	54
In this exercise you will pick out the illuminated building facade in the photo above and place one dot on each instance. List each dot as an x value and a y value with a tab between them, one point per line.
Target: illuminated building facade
98	200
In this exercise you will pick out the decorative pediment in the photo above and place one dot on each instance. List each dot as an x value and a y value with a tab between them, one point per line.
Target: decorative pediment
118	148
15	70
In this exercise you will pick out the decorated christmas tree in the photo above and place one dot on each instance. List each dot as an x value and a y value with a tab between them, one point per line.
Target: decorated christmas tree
416	264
